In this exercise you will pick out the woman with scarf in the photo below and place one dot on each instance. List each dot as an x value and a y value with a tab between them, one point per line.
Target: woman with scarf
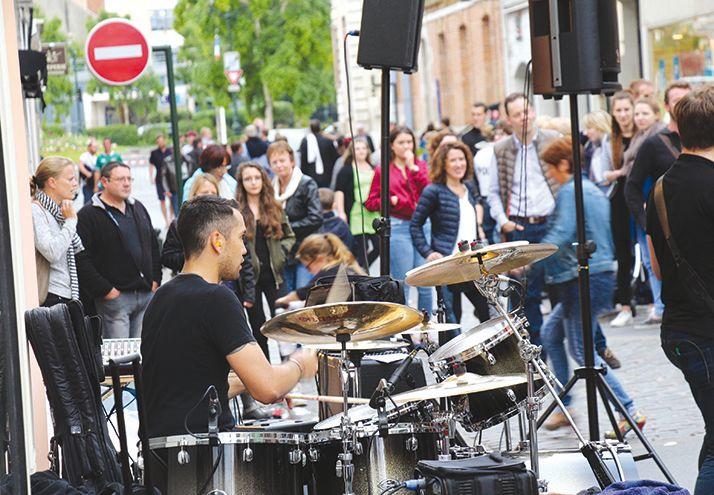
54	220
297	194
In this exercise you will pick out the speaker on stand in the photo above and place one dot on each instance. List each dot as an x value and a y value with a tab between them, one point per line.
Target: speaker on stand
390	35
575	50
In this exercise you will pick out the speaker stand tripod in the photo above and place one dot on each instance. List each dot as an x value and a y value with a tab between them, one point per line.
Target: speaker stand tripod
593	375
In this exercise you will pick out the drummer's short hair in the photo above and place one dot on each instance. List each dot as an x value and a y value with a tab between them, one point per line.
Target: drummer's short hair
202	215
695	118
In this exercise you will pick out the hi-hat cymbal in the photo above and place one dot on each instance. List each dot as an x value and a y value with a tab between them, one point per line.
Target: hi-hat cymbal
470	266
431	327
322	324
364	345
468	383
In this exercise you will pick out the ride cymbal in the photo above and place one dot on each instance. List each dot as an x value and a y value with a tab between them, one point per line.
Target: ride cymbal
468	383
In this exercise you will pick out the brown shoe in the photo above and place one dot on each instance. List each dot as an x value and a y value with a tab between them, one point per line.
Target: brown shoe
609	357
556	420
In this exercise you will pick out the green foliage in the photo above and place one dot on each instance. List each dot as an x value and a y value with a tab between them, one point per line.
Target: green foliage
52	130
60	90
284	114
122	134
285	50
134	101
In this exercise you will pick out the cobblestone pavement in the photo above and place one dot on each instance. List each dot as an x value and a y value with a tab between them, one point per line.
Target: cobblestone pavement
674	425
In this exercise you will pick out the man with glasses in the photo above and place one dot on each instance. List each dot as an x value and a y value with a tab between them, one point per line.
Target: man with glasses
120	268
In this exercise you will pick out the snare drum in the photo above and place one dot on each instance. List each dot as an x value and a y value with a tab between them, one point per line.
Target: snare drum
376	458
491	348
258	463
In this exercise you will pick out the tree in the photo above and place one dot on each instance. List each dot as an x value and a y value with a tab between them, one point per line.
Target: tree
285	48
135	101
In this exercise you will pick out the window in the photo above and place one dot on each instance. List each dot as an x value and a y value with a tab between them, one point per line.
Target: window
162	20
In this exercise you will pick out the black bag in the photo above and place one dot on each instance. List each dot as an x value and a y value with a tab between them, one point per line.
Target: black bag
360	288
483	475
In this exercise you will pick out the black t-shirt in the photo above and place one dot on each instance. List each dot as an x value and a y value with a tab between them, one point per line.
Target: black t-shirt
129	231
189	328
688	187
158	157
472	139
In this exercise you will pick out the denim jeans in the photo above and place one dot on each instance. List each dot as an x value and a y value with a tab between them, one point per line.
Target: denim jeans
87	193
552	335
602	286
655	283
295	276
532	233
403	256
694	356
122	316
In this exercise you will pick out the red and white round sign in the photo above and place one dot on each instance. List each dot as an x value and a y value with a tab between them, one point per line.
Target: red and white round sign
117	52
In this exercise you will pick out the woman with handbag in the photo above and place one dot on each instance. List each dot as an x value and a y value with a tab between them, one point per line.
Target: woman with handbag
54	221
269	240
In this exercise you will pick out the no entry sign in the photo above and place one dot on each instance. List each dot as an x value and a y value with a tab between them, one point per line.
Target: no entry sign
117	52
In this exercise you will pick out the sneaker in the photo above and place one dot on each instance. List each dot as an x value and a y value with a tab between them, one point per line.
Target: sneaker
609	357
653	318
624	427
623	319
557	420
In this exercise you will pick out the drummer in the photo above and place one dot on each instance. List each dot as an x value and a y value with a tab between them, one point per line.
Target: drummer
195	330
322	255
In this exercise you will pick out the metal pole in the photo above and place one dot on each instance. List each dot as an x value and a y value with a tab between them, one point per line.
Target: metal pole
78	90
385	231
168	54
583	256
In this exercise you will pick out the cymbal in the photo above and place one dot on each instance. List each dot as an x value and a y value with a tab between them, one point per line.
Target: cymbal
432	327
322	324
468	383
470	266
364	345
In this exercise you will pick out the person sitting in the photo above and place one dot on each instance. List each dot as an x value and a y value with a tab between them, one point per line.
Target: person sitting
323	255
331	223
195	331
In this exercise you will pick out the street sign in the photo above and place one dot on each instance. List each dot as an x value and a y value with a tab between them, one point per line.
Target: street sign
234	76
56	54
117	52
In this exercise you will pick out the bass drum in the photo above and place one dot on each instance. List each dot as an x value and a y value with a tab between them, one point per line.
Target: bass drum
256	463
378	458
491	348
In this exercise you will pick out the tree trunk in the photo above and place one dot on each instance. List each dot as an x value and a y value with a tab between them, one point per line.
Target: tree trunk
268	107
125	112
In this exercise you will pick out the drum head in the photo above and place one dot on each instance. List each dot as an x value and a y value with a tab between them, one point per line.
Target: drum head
364	414
473	342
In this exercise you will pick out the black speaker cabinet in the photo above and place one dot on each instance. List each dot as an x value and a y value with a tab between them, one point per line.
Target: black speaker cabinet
582	54
390	34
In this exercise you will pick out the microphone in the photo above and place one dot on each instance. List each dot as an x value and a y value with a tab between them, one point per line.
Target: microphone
377	394
354	32
214	410
401	369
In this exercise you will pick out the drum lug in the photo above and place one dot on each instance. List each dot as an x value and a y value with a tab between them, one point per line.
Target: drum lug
183	456
313	454
357	448
412	444
511	395
248	454
491	358
295	456
338	468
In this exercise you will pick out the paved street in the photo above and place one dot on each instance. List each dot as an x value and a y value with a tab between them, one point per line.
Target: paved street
674	425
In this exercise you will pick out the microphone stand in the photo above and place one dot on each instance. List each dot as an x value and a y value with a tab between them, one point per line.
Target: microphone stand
382	225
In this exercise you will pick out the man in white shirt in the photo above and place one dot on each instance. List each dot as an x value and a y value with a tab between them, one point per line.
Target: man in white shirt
520	195
87	161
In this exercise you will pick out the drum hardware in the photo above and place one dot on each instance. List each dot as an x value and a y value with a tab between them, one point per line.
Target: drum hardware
248	454
183	456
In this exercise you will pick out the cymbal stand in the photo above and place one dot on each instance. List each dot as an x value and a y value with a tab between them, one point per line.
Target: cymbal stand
488	286
344	467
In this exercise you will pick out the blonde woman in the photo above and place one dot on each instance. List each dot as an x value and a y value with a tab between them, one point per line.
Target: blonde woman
54	221
598	158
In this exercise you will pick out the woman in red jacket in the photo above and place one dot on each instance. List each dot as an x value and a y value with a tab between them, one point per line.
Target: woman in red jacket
407	179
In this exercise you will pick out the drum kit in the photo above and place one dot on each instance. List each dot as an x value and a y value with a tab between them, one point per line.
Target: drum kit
480	379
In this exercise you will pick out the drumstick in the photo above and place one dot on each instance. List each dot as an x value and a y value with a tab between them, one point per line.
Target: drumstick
328	398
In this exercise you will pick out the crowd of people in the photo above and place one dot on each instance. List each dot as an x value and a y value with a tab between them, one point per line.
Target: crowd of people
304	216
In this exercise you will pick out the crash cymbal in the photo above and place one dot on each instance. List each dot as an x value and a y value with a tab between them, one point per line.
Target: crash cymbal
364	345
360	320
468	383
432	327
470	266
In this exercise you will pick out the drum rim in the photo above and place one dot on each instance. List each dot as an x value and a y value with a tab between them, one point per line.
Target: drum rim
474	350
364	431
230	437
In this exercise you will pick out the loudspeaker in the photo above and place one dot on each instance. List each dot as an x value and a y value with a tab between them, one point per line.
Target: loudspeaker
390	34
574	46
